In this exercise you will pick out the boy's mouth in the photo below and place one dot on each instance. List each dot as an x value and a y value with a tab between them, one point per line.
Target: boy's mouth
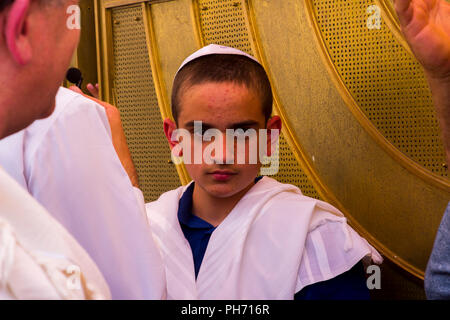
222	175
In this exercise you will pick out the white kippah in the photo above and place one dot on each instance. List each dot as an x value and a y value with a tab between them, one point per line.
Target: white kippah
214	49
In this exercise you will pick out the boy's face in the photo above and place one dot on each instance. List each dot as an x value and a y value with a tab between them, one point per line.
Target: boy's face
221	106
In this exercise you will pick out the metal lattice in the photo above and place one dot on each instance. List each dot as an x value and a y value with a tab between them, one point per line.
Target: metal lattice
387	83
138	104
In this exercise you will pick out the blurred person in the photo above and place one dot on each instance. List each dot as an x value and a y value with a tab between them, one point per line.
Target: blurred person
39	256
426	27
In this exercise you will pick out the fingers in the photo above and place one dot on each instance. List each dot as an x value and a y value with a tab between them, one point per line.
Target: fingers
75	89
94	90
401	5
405	11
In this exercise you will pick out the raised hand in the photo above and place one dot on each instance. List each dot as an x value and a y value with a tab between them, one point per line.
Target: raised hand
426	27
94	90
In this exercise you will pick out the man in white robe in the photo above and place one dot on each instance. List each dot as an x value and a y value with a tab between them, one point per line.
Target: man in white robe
68	163
39	259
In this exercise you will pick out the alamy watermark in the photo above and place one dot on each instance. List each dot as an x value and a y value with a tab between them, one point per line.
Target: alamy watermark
241	147
374	280
74	19
374	20
73	281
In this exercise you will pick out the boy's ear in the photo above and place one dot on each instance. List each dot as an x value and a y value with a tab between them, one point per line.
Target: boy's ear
273	123
16	32
169	128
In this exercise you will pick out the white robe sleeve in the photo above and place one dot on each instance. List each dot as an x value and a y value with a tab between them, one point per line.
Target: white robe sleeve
11	156
39	259
72	169
141	202
332	247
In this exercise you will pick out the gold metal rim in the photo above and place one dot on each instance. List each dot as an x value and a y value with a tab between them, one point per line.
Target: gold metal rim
160	88
406	162
307	166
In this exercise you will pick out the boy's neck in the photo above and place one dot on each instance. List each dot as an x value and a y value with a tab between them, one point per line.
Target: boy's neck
213	209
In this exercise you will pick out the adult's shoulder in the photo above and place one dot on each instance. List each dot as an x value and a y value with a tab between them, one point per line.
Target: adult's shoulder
67	104
73	114
166	200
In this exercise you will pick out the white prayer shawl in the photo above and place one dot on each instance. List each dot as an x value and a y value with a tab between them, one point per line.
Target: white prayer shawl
271	245
39	259
68	163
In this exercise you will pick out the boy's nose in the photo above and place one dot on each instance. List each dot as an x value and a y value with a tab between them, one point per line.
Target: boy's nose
224	155
228	150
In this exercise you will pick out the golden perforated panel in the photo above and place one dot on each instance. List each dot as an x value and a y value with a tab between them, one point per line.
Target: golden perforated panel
387	83
290	172
138	104
224	22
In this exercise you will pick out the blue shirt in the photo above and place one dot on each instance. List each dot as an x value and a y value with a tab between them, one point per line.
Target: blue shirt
350	285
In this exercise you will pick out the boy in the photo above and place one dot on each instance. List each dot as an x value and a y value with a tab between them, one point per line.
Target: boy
229	234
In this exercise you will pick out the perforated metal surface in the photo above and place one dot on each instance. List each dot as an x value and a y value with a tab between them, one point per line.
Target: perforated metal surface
290	172
387	83
138	104
224	22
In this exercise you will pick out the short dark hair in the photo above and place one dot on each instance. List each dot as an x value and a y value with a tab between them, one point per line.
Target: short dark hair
223	68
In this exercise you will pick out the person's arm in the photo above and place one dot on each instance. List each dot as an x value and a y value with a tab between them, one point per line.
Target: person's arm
440	88
426	27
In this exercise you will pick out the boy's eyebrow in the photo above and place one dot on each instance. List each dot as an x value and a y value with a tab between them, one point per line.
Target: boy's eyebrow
243	124
247	123
190	124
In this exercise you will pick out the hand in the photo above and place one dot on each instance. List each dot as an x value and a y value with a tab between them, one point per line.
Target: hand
118	137
426	27
93	90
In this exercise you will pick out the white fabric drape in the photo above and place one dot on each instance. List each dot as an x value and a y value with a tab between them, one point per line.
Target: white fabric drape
271	245
37	254
68	164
